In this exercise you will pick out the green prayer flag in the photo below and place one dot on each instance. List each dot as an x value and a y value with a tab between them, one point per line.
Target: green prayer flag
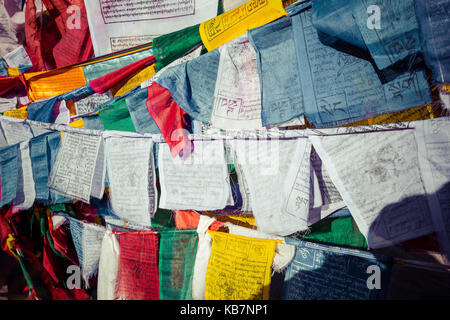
340	231
169	47
177	253
117	117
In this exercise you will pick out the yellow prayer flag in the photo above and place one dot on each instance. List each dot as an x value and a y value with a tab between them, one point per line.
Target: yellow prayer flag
239	267
20	113
233	23
43	85
125	86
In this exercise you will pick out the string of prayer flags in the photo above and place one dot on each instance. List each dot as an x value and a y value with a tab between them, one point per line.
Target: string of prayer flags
177	252
234	23
239	268
189	88
199	182
137	276
131	175
320	272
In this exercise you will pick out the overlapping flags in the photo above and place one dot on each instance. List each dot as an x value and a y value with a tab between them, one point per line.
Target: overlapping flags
108	156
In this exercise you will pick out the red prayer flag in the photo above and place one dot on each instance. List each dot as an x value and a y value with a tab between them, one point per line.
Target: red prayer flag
33	36
106	82
137	276
170	119
74	43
